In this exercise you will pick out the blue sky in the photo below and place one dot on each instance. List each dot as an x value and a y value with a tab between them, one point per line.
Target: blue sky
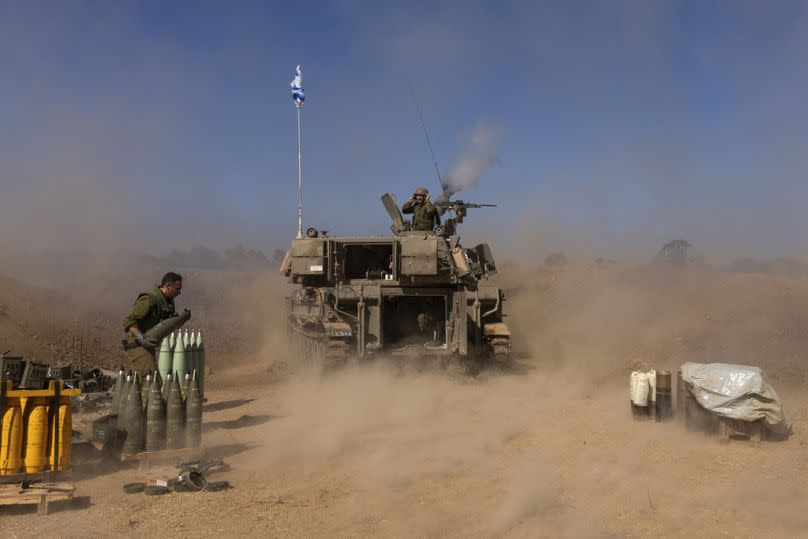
622	124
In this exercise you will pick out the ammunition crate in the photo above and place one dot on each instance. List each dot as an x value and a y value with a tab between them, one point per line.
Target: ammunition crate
105	430
14	366
60	372
35	376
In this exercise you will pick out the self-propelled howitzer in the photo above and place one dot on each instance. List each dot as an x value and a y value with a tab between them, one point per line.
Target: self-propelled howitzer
411	294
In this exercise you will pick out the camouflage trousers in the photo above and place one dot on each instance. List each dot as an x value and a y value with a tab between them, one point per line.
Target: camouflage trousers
142	361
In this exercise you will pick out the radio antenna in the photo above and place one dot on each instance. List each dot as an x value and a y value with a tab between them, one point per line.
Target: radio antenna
428	142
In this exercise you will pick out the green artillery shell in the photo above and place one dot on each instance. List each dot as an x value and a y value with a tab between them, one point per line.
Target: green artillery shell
193	414
180	365
164	359
133	412
122	401
155	417
144	391
175	417
167	387
200	363
116	391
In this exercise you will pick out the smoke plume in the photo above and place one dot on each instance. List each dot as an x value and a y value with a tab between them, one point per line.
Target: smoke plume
479	155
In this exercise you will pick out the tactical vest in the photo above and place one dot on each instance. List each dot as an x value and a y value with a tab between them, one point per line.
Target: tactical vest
419	220
161	309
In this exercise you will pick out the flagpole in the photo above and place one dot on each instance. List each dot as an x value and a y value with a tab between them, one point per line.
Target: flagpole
298	97
299	179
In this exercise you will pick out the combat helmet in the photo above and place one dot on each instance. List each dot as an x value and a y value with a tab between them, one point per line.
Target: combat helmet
421	191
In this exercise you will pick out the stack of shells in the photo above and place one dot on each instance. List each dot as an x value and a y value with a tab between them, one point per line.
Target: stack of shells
165	411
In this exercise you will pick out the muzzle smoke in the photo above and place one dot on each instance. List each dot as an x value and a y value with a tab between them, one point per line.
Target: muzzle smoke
480	154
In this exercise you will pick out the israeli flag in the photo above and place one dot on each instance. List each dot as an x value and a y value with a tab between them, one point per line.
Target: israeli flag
297	87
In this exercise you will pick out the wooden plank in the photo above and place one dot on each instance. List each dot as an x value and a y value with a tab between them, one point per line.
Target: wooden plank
41	500
38	476
8	492
27	498
41	496
53	487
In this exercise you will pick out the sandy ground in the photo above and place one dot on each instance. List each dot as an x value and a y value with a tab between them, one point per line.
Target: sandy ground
548	449
374	452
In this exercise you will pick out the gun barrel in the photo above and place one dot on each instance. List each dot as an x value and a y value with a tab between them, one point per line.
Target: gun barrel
462	204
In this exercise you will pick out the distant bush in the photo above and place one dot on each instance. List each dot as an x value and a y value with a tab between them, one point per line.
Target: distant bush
556	259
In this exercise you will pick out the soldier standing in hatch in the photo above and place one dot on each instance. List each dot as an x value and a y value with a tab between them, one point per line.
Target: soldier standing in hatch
148	310
422	210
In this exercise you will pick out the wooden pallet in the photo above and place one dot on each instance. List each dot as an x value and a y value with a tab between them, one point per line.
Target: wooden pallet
734	429
46	477
39	494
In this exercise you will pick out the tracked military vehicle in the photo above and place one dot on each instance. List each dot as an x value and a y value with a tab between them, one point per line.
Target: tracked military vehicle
411	295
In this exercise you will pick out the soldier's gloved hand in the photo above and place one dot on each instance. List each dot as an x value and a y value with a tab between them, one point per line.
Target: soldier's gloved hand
187	312
144	342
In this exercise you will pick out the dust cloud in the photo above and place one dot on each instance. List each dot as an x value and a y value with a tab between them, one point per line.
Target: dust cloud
549	448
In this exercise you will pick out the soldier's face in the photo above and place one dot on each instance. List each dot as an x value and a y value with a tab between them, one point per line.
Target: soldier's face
419	199
172	290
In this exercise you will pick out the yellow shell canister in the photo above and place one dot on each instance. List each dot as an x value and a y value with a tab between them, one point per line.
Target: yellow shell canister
64	440
11	437
36	434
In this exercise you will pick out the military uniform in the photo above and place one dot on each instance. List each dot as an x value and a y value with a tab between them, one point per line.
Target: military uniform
423	215
424	321
148	310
